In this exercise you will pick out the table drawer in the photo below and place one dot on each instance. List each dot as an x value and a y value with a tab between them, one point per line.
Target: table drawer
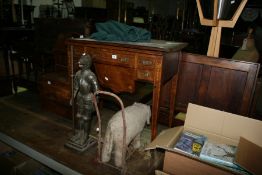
146	61
117	78
126	59
143	74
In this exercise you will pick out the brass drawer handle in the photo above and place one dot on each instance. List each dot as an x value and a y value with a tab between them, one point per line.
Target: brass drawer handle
146	62
146	74
124	60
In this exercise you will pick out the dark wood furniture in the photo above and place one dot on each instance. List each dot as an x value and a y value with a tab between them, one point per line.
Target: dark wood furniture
257	106
54	87
5	76
51	52
17	45
118	65
55	93
50	34
218	83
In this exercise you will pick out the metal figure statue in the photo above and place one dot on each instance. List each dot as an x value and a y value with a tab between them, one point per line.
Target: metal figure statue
85	83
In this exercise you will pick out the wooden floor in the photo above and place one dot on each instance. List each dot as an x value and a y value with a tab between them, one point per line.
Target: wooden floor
22	119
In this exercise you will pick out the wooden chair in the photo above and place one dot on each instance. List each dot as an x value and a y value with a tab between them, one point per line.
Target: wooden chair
23	66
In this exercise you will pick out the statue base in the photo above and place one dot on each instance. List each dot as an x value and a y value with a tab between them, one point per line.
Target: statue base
81	147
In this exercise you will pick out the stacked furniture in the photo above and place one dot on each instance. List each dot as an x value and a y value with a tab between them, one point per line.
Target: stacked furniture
178	78
54	84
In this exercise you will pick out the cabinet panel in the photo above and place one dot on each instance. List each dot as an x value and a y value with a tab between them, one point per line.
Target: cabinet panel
225	89
55	94
55	89
189	81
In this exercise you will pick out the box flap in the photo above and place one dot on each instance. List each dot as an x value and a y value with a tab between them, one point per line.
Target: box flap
158	172
165	139
249	156
227	126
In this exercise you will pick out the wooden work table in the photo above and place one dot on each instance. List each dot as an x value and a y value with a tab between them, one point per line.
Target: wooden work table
118	65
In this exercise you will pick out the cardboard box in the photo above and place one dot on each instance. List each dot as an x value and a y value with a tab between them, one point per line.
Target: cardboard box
246	133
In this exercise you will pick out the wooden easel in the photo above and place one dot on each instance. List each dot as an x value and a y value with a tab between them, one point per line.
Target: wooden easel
217	24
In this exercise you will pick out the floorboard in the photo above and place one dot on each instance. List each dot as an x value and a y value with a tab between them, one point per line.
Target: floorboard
21	118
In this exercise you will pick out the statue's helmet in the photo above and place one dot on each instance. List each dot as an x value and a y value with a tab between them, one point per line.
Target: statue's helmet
85	61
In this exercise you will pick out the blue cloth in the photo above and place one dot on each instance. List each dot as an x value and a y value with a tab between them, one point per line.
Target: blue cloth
115	31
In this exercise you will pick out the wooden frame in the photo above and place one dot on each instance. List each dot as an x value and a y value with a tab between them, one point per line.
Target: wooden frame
217	24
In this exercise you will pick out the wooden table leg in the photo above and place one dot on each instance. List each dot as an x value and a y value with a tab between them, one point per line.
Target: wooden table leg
155	109
172	101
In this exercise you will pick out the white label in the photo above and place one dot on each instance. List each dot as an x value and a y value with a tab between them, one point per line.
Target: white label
106	79
114	56
244	46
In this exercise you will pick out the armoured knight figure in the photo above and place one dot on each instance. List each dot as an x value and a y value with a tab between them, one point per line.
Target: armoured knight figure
85	83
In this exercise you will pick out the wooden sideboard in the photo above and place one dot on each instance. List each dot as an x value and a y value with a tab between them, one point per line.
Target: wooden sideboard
118	65
222	84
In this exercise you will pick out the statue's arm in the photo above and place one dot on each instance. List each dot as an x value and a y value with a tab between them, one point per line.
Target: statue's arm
75	87
94	82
